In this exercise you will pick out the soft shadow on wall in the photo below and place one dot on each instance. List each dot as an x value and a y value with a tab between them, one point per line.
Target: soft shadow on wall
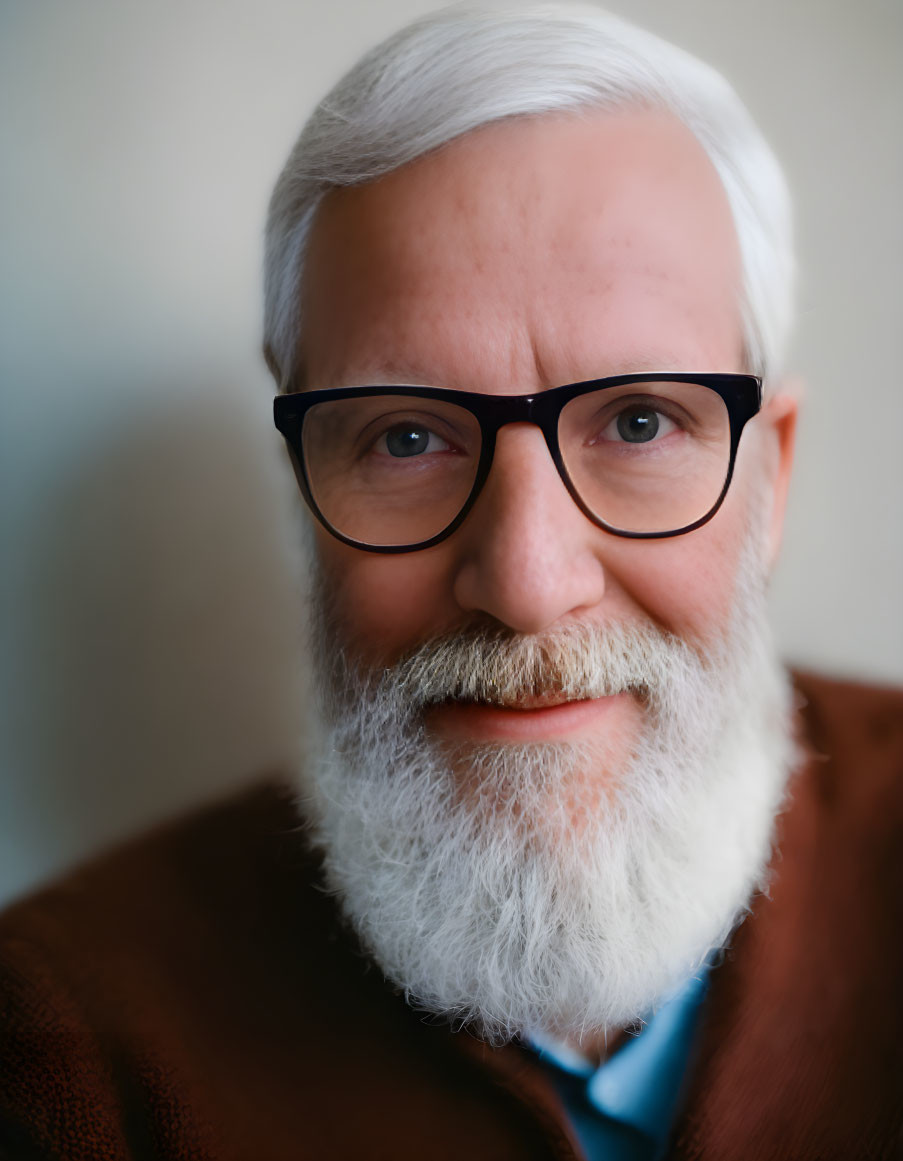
163	628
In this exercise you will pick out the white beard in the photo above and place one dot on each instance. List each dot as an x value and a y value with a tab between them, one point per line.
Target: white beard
520	888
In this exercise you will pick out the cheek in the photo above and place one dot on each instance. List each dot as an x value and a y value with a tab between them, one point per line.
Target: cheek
386	603
687	584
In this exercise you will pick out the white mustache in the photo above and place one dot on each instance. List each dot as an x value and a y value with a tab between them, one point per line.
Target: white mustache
497	667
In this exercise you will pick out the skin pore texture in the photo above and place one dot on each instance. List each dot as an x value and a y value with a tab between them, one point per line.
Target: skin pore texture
636	757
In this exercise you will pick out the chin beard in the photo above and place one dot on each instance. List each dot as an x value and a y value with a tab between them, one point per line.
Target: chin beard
519	888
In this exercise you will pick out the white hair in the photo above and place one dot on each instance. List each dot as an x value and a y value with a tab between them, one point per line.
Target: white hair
461	68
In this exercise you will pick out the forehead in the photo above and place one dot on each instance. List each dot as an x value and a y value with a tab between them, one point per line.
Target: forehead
531	252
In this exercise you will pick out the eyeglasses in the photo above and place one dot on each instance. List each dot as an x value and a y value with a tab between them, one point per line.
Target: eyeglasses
397	469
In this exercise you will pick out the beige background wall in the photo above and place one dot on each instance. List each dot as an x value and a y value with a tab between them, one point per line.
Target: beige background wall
149	620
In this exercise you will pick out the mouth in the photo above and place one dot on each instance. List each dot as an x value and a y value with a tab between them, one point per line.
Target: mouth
549	716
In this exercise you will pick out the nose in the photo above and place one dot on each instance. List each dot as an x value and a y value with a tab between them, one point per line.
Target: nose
528	556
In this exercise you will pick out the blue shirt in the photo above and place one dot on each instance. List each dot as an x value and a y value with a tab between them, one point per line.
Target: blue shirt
624	1109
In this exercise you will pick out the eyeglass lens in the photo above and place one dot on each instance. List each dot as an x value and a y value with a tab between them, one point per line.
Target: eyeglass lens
397	470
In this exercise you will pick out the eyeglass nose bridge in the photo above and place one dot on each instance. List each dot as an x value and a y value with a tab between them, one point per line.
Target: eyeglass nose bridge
541	410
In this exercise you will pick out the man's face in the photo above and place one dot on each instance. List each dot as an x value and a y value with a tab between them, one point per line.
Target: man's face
530	254
560	847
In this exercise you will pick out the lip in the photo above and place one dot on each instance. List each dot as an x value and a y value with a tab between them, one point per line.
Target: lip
545	717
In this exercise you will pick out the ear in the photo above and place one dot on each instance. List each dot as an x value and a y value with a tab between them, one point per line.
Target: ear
778	418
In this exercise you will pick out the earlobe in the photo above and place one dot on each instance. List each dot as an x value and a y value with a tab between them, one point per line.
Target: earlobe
779	415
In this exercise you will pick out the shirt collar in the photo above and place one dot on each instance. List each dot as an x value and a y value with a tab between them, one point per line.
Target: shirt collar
640	1084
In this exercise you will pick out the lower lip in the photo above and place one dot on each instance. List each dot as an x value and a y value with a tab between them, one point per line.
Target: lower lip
467	721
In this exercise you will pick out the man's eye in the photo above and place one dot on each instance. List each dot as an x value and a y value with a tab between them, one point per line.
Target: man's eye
410	440
639	425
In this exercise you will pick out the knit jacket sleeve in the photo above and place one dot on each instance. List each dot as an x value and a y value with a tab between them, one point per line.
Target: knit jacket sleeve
57	1091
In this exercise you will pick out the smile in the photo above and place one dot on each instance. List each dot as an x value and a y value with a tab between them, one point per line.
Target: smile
533	718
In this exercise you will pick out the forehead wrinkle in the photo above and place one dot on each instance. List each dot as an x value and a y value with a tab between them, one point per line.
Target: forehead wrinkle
450	348
391	372
523	351
382	370
499	292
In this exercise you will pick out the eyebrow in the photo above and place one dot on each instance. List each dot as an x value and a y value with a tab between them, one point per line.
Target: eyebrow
398	373
391	374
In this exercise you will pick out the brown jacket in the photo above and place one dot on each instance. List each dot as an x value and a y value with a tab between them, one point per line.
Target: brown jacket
193	996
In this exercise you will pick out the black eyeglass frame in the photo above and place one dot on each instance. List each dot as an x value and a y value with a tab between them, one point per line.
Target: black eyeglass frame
741	394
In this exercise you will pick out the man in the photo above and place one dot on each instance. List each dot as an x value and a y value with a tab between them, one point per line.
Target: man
527	273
